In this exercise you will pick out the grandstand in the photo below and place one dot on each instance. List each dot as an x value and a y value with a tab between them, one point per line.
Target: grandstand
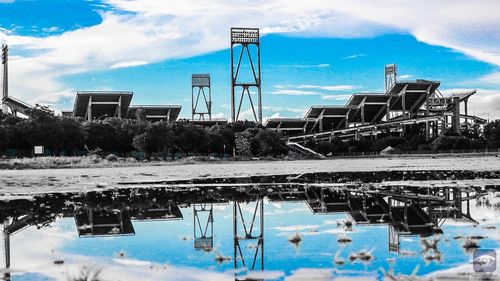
95	105
404	104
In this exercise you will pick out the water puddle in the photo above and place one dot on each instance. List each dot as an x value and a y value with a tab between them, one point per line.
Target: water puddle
230	230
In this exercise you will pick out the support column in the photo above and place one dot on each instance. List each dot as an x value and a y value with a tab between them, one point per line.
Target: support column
347	118
89	109
5	78
388	110
427	127
119	108
455	122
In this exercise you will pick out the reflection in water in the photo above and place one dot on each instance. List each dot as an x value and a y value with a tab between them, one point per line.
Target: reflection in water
203	227
248	237
407	210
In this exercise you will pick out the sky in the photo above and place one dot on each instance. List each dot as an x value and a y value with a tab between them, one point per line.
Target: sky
313	52
163	250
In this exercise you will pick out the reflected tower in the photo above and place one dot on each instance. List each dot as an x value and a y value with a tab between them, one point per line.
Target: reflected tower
248	234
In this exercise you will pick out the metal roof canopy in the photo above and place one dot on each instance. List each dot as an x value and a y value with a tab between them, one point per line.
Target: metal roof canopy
357	99
103	103
315	110
213	121
415	92
287	122
103	222
372	105
157	112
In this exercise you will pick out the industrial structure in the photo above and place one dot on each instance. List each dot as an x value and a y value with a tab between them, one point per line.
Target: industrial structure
95	105
407	210
404	105
200	82
10	104
246	38
201	89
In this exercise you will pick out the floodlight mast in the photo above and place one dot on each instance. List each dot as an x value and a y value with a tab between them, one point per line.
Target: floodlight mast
245	37
200	82
390	74
5	77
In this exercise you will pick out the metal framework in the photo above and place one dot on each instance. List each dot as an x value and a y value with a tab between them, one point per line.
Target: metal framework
5	248
5	76
252	232
203	226
390	74
245	37
100	104
200	82
406	105
9	102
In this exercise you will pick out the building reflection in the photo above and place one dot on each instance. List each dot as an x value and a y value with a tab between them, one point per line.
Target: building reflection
203	226
248	237
406	210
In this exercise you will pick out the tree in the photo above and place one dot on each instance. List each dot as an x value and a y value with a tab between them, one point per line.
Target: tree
156	139
491	133
243	143
100	134
269	143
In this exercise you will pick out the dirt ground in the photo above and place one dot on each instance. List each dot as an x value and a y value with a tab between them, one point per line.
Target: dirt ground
19	182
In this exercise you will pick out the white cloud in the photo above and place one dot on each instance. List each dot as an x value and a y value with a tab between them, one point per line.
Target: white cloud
321	65
155	30
355	56
293	92
492	78
485	103
128	64
405	76
335	97
328	88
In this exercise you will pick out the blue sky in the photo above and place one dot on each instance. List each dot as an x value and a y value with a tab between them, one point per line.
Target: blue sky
312	53
163	250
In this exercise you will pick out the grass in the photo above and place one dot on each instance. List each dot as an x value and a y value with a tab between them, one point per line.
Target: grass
64	162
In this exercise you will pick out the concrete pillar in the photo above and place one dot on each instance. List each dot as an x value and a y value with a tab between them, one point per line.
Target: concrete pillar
89	109
119	108
387	108
347	119
455	121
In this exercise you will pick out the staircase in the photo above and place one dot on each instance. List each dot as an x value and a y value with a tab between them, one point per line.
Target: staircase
304	150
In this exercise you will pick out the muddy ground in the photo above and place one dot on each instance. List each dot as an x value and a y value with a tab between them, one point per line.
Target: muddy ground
85	179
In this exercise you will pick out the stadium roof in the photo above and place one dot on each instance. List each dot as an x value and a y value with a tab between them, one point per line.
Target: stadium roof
156	112
211	122
415	92
316	110
104	103
103	222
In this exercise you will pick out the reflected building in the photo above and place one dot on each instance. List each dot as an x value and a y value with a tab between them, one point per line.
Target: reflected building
407	210
248	235
203	227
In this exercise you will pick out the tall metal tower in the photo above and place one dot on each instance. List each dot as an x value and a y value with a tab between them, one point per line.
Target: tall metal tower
245	37
4	251
248	238
390	74
5	77
203	226
200	82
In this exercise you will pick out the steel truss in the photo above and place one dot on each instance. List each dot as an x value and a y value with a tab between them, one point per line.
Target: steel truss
5	76
249	233
203	226
245	37
200	82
